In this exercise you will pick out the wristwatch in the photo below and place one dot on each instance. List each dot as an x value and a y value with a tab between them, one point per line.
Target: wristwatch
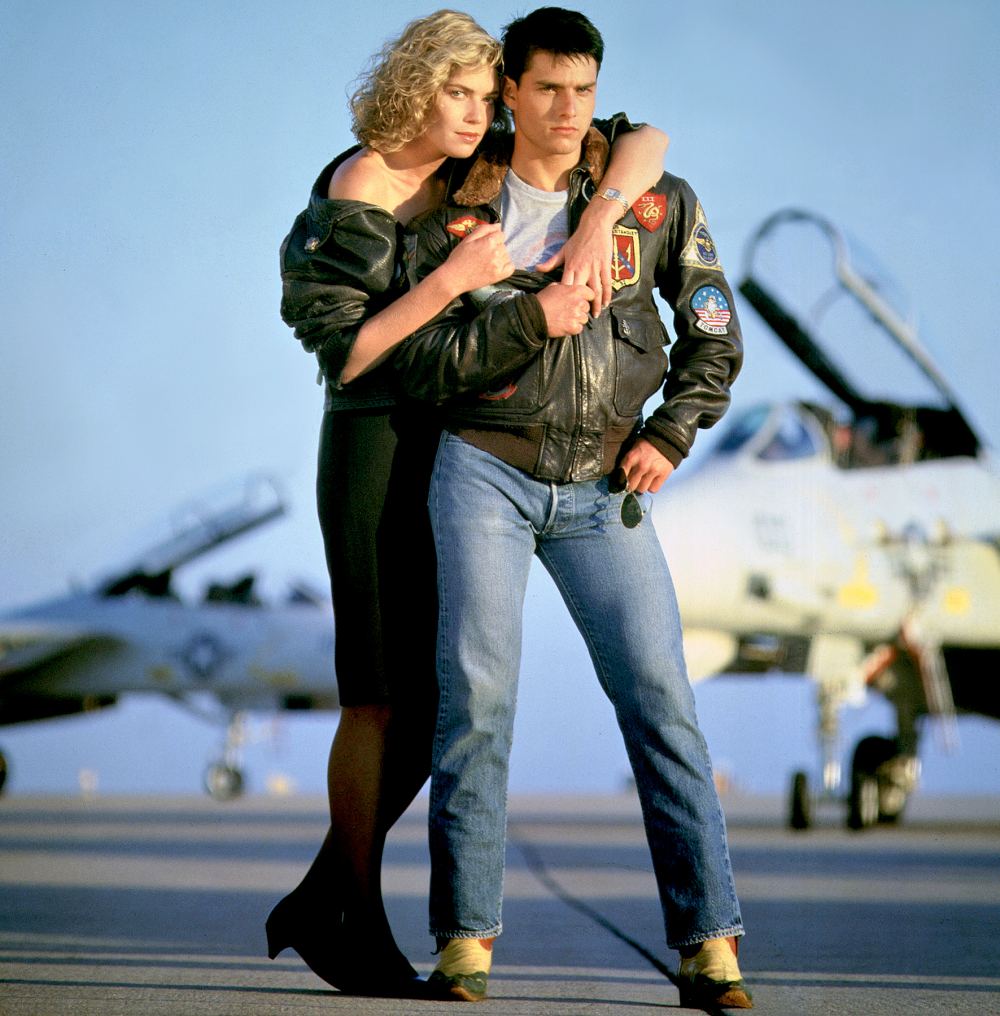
610	194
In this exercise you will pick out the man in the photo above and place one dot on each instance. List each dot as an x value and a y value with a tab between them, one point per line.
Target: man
546	453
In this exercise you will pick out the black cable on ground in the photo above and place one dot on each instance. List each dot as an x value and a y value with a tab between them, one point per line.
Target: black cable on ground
536	865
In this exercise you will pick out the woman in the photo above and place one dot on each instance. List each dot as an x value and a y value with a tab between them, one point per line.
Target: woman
425	106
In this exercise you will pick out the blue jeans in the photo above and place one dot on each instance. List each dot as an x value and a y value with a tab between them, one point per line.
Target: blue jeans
489	519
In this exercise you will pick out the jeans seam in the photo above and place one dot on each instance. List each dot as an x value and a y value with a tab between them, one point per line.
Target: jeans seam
441	666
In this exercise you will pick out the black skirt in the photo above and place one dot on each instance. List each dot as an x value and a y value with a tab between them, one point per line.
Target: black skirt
371	489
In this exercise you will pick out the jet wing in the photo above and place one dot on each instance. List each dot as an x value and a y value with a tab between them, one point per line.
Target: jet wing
847	321
23	647
196	528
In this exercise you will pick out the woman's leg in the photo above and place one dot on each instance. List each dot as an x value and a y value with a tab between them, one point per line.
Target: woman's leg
335	919
354	787
355	464
408	599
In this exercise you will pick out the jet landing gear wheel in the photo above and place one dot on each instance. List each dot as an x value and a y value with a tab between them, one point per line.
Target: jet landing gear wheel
799	805
224	778
862	805
223	783
881	780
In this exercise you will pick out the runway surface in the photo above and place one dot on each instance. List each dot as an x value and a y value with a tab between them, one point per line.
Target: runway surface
156	906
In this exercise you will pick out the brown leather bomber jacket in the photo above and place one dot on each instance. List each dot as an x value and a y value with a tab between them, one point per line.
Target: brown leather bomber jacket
562	409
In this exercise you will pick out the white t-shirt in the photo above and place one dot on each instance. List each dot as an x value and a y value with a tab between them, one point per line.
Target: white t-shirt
535	222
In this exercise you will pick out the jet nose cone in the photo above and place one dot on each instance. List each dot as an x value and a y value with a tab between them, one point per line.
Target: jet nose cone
698	526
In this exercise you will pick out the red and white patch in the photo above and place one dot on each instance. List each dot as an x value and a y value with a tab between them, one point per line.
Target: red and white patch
650	210
464	226
625	256
499	394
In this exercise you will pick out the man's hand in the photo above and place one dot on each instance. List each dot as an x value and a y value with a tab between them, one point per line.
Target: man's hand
566	308
646	468
586	255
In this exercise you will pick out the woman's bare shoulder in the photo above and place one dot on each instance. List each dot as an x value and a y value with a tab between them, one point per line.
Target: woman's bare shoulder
359	178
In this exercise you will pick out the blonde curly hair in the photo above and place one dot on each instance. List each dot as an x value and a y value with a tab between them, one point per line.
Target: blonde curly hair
395	95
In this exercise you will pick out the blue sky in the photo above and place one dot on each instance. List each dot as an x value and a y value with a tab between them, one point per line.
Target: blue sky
153	156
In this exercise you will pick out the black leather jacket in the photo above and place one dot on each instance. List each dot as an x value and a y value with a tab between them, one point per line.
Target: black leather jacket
342	262
339	266
561	409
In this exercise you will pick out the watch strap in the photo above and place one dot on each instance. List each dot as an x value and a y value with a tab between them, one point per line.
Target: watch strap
611	194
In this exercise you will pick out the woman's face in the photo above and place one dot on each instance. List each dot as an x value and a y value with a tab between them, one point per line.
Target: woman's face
462	111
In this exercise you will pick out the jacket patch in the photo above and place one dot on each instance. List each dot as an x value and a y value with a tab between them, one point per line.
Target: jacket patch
499	394
464	225
700	250
625	256
650	210
712	308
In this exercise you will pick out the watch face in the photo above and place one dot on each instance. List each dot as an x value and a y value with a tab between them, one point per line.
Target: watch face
610	194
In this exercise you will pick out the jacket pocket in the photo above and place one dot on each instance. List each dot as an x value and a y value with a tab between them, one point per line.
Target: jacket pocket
640	358
510	397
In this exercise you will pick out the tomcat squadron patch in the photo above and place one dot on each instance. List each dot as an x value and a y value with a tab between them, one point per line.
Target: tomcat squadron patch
712	308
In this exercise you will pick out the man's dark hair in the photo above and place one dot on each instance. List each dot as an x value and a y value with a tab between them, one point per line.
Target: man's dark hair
551	30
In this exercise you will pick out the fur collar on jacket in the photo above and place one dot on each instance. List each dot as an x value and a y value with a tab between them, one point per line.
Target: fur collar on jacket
485	179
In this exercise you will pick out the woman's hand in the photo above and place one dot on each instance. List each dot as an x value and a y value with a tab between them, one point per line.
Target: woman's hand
635	166
479	259
586	255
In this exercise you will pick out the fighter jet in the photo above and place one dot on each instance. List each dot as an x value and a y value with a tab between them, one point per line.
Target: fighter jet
131	632
855	540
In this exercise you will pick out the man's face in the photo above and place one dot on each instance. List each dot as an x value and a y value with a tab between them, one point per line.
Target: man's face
553	103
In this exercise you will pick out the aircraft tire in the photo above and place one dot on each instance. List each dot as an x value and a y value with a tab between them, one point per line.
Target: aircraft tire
800	807
223	783
863	804
3	771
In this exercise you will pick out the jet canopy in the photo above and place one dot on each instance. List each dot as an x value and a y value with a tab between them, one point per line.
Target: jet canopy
782	432
848	322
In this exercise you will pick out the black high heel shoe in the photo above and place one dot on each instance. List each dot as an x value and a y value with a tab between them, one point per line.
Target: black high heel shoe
340	951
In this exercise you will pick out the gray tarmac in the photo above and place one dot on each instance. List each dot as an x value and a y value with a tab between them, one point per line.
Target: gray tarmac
156	906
